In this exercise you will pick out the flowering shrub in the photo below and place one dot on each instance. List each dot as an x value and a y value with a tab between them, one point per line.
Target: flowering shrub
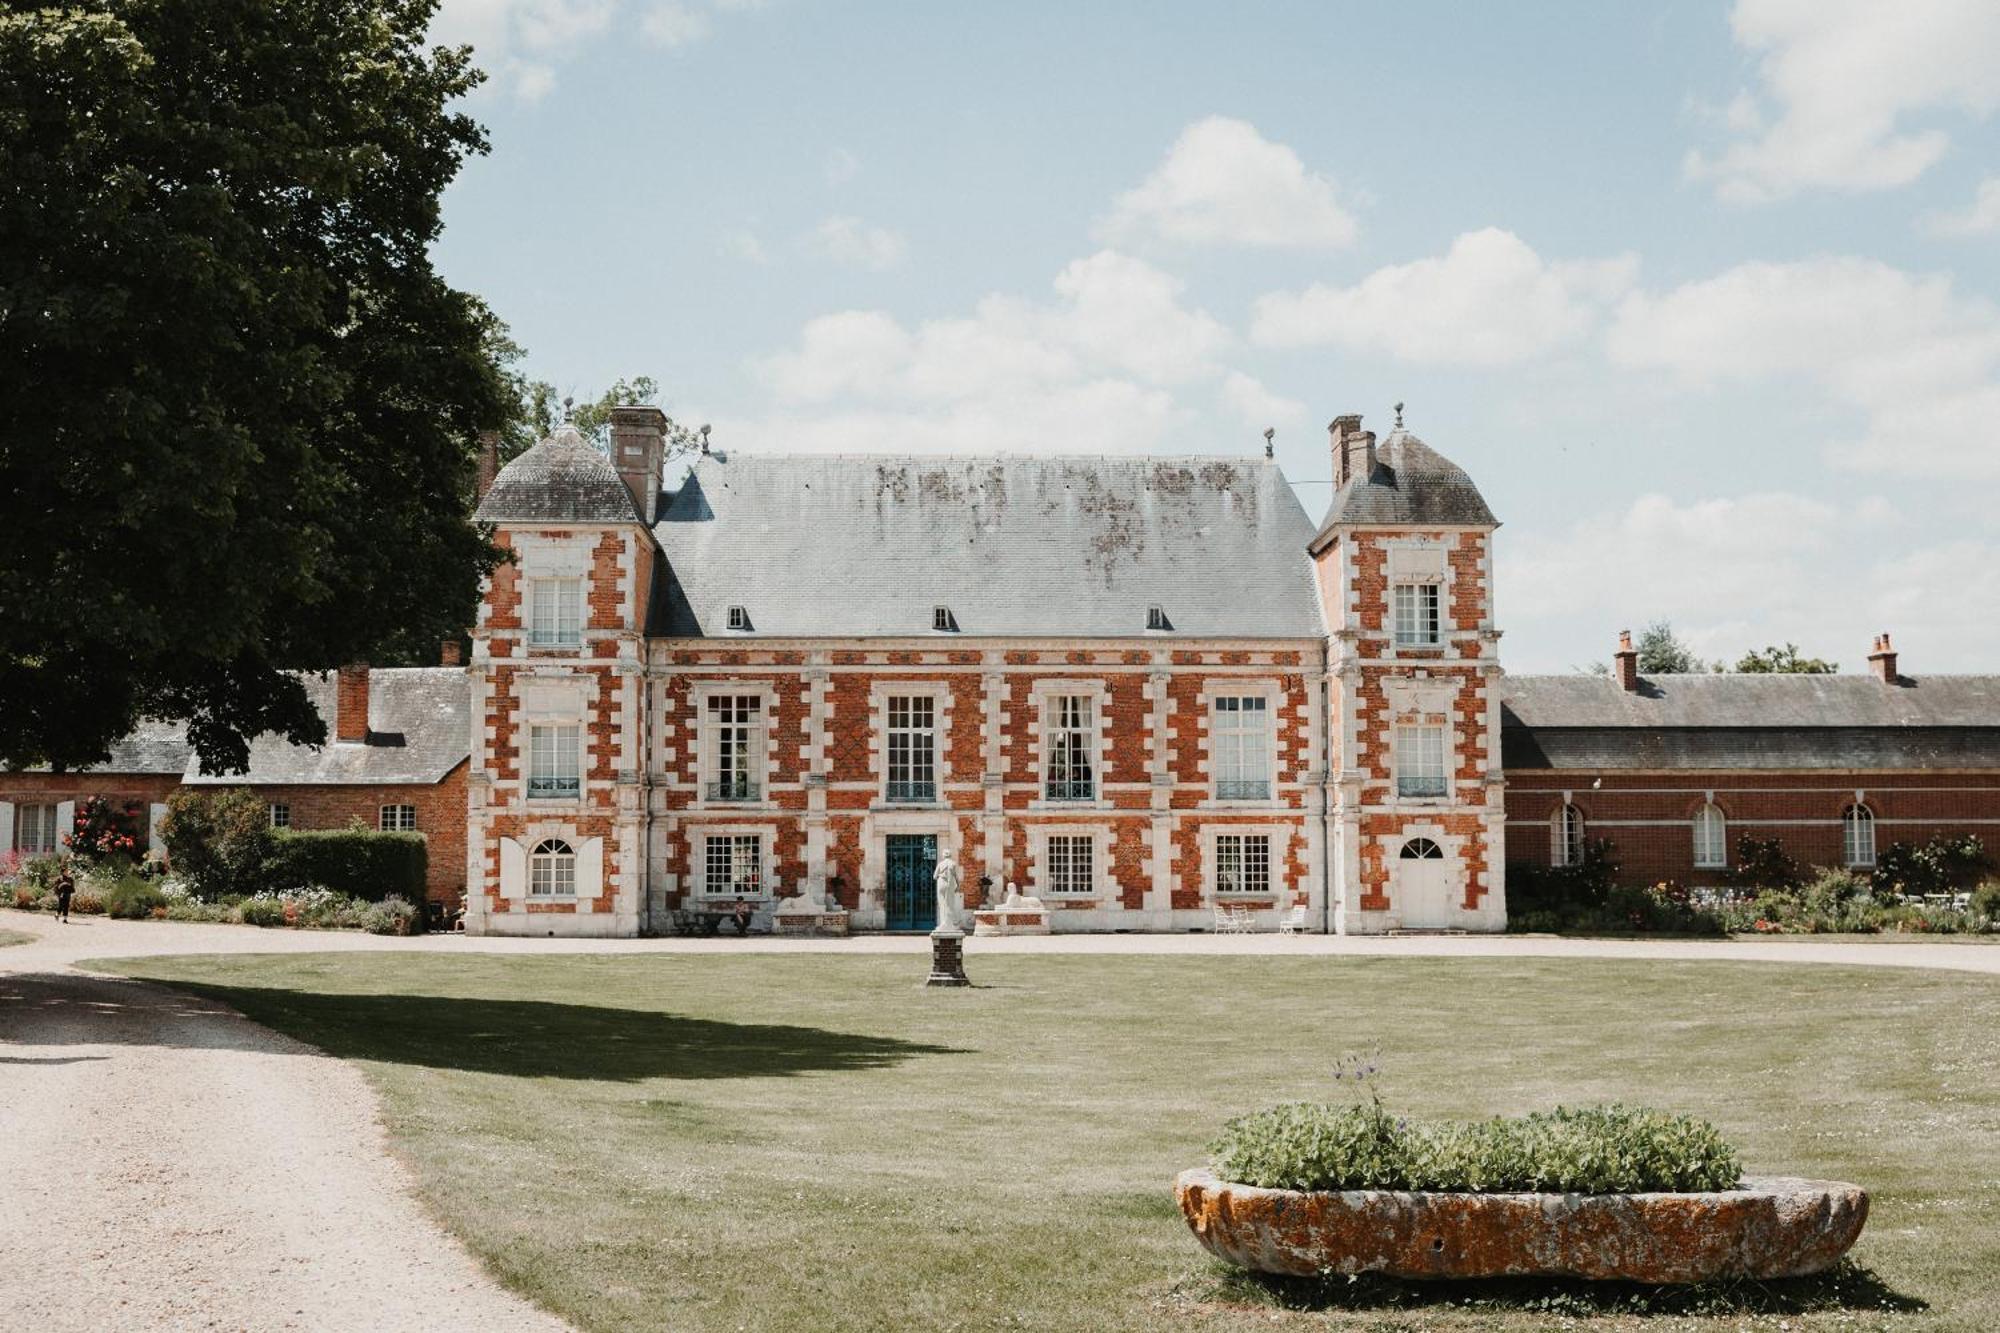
102	832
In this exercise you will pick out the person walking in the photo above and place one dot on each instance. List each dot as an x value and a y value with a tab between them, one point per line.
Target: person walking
65	889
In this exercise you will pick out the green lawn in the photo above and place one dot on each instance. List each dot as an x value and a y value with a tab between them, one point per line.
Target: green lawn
816	1142
8	937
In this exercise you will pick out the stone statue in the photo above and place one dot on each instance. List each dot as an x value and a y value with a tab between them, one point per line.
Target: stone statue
946	879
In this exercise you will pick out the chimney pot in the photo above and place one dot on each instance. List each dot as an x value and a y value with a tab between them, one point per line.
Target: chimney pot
489	462
350	704
1883	660
1625	663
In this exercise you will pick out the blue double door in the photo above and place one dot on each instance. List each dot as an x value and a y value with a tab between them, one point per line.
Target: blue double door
912	898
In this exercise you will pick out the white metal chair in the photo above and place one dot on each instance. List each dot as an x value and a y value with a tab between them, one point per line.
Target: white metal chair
1231	920
1294	922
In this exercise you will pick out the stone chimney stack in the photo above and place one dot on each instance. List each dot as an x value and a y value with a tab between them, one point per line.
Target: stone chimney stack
639	452
489	462
1883	660
1339	431
350	704
1625	663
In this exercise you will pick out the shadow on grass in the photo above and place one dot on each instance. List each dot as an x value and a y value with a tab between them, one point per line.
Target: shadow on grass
546	1039
1845	1287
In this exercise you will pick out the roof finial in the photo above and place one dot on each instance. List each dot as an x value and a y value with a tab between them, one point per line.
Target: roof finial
704	439
1269	432
1399	416
569	410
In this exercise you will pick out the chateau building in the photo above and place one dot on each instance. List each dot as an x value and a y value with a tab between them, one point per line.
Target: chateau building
1143	690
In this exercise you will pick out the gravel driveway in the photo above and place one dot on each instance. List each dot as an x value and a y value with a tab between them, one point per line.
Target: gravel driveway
167	1164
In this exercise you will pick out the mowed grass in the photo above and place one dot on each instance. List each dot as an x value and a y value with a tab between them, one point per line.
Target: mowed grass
794	1142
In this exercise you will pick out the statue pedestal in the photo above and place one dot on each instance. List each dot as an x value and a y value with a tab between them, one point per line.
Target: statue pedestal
947	958
805	918
1015	916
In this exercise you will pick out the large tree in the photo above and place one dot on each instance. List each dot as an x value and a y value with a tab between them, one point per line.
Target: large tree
237	403
539	408
1784	660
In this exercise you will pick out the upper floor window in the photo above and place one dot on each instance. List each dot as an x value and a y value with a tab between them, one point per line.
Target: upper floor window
1420	761
1071	736
735	735
34	829
1858	834
555	612
551	869
1566	836
1711	837
1069	862
732	865
1418	623
553	769
912	748
1240	736
1242	863
397	818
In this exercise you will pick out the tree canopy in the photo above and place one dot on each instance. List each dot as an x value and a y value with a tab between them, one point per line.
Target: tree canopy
539	408
238	405
1784	660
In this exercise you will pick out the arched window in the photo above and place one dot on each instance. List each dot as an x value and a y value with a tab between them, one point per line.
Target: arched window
1711	837
1858	830
1422	849
1566	836
551	869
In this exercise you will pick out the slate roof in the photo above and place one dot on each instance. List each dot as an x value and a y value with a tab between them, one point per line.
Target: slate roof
150	747
852	546
564	479
420	728
1411	483
1750	722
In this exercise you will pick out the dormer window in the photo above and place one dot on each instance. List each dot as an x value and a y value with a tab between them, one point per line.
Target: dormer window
739	618
943	621
1156	618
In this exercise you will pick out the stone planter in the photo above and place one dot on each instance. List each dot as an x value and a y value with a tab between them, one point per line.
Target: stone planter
1771	1228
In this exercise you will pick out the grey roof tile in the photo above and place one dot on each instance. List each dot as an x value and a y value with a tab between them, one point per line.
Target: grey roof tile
819	545
150	747
1411	484
565	478
420	725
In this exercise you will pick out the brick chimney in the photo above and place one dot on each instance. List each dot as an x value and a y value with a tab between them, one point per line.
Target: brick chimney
639	452
350	704
1883	660
1625	663
489	461
449	653
1353	449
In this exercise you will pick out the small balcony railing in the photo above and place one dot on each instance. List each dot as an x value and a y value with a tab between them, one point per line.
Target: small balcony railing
553	789
1419	786
912	791
1070	789
732	789
1243	789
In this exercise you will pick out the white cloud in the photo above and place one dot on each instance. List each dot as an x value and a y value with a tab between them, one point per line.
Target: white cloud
857	244
1094	369
743	244
1257	405
1839	81
673	25
841	166
1224	183
1488	301
1917	363
1979	218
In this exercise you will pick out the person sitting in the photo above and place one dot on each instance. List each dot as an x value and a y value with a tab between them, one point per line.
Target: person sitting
739	913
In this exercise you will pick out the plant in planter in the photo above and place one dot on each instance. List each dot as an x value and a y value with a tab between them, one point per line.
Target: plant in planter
1307	1188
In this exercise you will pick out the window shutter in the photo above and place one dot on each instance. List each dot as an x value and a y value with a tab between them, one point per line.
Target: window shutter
6	826
65	824
589	868
513	869
157	813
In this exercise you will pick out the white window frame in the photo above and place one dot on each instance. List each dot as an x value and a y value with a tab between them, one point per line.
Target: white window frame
555	611
46	824
396	817
742	715
1075	732
1244	847
761	838
546	742
1415	624
1857	835
912	721
1230	741
1567	834
552	868
1417	745
1711	838
1101	839
278	814
1059	870
1278	838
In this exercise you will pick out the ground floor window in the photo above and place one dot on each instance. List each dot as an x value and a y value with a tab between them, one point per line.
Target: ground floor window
279	813
1069	863
1711	838
34	829
1858	835
1566	837
1243	863
733	865
552	869
397	819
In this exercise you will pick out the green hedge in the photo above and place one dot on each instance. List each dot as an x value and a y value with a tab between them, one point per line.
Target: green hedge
361	863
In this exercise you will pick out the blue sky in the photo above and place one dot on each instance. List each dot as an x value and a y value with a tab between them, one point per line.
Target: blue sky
1704	296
